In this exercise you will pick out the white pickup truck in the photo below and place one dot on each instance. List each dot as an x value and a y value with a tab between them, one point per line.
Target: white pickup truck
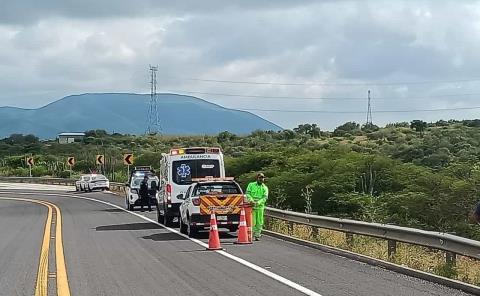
223	195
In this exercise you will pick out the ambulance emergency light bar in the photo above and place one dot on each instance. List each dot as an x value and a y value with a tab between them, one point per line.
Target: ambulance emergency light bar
196	150
142	168
208	178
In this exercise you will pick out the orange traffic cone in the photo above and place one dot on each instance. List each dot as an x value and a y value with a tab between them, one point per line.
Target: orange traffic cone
213	237
243	237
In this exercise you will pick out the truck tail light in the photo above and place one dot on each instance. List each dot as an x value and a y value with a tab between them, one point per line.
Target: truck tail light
196	201
169	193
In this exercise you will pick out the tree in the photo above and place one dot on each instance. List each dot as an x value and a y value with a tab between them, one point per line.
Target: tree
350	127
225	136
96	133
287	134
370	127
308	129
418	126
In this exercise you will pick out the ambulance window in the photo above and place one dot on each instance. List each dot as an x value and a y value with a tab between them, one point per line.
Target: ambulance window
184	170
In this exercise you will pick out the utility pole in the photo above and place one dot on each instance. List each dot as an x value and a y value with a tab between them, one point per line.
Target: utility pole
369	122
153	125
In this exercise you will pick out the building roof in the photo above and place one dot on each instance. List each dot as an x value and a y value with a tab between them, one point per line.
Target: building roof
71	134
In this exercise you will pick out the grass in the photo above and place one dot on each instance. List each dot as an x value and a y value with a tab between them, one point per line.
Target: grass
417	257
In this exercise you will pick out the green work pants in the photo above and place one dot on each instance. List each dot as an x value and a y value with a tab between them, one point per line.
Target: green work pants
257	221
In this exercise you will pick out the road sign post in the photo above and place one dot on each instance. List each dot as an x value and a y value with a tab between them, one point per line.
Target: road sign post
30	163
71	163
128	161
100	161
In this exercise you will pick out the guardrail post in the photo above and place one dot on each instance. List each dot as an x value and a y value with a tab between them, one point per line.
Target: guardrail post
316	231
349	239
450	258
391	248
290	228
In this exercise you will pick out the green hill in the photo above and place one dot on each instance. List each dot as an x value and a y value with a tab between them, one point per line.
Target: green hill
127	114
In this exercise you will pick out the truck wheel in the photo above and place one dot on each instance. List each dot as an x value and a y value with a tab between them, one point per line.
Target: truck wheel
191	230
167	220
159	216
183	227
128	205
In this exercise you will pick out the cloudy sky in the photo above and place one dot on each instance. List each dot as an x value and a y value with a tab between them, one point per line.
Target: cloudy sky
275	55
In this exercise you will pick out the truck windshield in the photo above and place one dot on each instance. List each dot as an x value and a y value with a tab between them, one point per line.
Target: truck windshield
184	170
135	183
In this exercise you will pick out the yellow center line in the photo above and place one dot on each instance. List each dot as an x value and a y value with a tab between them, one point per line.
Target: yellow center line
63	288
41	287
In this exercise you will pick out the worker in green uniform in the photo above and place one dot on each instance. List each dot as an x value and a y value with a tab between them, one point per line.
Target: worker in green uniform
257	194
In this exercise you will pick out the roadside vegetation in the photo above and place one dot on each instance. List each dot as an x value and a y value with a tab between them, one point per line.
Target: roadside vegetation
417	174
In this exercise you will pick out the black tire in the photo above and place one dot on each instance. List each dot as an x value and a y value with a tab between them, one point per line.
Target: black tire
191	230
76	188
183	227
167	220
159	215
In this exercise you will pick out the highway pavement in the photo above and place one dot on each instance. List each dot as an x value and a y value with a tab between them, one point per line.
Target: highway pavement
110	251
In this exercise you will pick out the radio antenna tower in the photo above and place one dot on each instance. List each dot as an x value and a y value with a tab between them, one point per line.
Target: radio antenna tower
369	112
153	125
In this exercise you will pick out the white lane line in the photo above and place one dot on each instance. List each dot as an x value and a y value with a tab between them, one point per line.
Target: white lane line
246	263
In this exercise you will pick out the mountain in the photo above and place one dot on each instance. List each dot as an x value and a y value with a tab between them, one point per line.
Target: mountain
128	113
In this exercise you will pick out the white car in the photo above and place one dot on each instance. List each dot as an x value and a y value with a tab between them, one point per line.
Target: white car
223	195
132	196
80	184
94	182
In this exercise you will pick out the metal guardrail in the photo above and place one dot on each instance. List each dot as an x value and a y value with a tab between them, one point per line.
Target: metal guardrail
37	180
442	241
117	187
451	244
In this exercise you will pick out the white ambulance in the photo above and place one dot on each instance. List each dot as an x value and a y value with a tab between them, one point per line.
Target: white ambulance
177	168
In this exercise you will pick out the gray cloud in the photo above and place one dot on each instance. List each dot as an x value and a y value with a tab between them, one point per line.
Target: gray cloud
28	11
55	48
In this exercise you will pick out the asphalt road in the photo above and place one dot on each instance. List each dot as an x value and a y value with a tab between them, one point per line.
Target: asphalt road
109	251
21	231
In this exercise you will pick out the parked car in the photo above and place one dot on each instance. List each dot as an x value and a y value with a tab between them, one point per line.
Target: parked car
80	184
95	182
132	197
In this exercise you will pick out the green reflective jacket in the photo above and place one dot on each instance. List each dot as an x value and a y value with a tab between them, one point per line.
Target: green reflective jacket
257	193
